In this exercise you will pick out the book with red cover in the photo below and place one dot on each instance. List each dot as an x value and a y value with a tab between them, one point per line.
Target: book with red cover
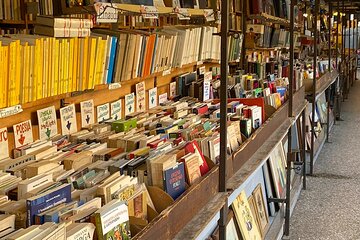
193	147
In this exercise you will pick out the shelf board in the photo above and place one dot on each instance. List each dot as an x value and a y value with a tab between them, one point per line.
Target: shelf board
272	19
325	82
15	22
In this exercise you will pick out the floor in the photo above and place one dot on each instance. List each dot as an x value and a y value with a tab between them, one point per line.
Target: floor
330	207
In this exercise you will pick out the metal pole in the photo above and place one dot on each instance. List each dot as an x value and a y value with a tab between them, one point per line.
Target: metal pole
223	113
314	87
303	150
329	90
243	25
290	114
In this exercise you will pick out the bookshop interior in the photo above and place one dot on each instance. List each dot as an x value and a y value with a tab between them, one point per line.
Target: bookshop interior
179	119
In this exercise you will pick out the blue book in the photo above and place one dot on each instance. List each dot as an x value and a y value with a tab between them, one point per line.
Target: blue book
112	60
174	180
41	203
281	90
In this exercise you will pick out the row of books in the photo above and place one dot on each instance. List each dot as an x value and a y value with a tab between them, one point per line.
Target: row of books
11	9
62	27
68	65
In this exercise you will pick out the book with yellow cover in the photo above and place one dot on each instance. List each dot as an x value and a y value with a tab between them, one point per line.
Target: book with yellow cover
91	63
85	64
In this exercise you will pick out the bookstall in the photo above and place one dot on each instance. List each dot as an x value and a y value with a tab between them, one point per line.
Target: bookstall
163	119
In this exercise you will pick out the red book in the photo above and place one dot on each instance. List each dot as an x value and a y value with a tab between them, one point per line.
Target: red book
193	147
155	144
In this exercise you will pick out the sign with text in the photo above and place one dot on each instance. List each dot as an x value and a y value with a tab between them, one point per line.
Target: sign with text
116	110
47	123
153	98
68	120
140	97
163	98
129	104
103	112
87	113
23	133
4	143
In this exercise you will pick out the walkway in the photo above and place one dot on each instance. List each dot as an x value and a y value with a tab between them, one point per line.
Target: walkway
330	207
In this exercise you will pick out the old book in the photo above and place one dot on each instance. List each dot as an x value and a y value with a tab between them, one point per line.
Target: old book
157	167
37	168
62	32
78	160
33	183
80	231
192	169
174	180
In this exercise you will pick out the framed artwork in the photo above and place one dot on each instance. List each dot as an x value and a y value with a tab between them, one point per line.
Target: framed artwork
245	219
252	205
232	229
278	169
262	215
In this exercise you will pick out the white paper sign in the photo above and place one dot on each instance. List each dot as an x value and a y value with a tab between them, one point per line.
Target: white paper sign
183	14
68	119
149	12
209	15
4	143
116	110
87	113
23	133
47	122
105	13
140	97
206	90
172	89
6	112
163	98
129	103
153	98
103	112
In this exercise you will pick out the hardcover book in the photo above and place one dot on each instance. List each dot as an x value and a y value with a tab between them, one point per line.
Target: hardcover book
174	180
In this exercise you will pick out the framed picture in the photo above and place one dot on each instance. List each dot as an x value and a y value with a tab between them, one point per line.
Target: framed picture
252	205
232	229
278	169
245	218
262	215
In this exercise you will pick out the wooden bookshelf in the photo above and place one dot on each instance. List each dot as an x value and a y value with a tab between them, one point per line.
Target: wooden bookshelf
15	22
323	83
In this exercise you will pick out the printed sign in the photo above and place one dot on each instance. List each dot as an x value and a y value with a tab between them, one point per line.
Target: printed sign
206	90
172	89
153	99
68	120
103	112
105	13
4	144
140	97
23	133
47	123
163	98
116	110
149	12
6	112
87	113
129	103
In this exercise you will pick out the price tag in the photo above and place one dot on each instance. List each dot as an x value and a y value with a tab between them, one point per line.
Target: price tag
183	13
166	72
209	15
105	13
113	86
149	12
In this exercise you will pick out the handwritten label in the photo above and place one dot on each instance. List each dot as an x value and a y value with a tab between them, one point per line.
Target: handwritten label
163	98
166	72
116	110
202	70
113	86
6	112
207	76
206	90
87	113
4	143
103	112
182	13
47	123
172	89
153	99
105	13
209	15
68	120
140	97
23	134
129	103
149	12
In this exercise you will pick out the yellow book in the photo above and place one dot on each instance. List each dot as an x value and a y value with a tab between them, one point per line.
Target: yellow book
45	67
40	66
56	67
97	60
18	84
66	66
107	42
27	72
12	73
2	79
6	59
103	54
85	64
75	64
25	77
31	72
71	60
61	66
50	67
80	64
92	52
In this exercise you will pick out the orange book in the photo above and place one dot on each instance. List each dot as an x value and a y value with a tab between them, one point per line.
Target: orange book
149	55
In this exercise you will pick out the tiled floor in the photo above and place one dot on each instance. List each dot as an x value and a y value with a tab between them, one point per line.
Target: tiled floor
330	207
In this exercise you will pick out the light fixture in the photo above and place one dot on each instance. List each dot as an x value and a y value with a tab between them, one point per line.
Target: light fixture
305	15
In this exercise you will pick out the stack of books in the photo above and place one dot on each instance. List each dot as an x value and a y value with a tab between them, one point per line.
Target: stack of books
62	27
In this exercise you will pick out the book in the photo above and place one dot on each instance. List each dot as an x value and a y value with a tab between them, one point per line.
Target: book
52	198
174	180
61	32
59	22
